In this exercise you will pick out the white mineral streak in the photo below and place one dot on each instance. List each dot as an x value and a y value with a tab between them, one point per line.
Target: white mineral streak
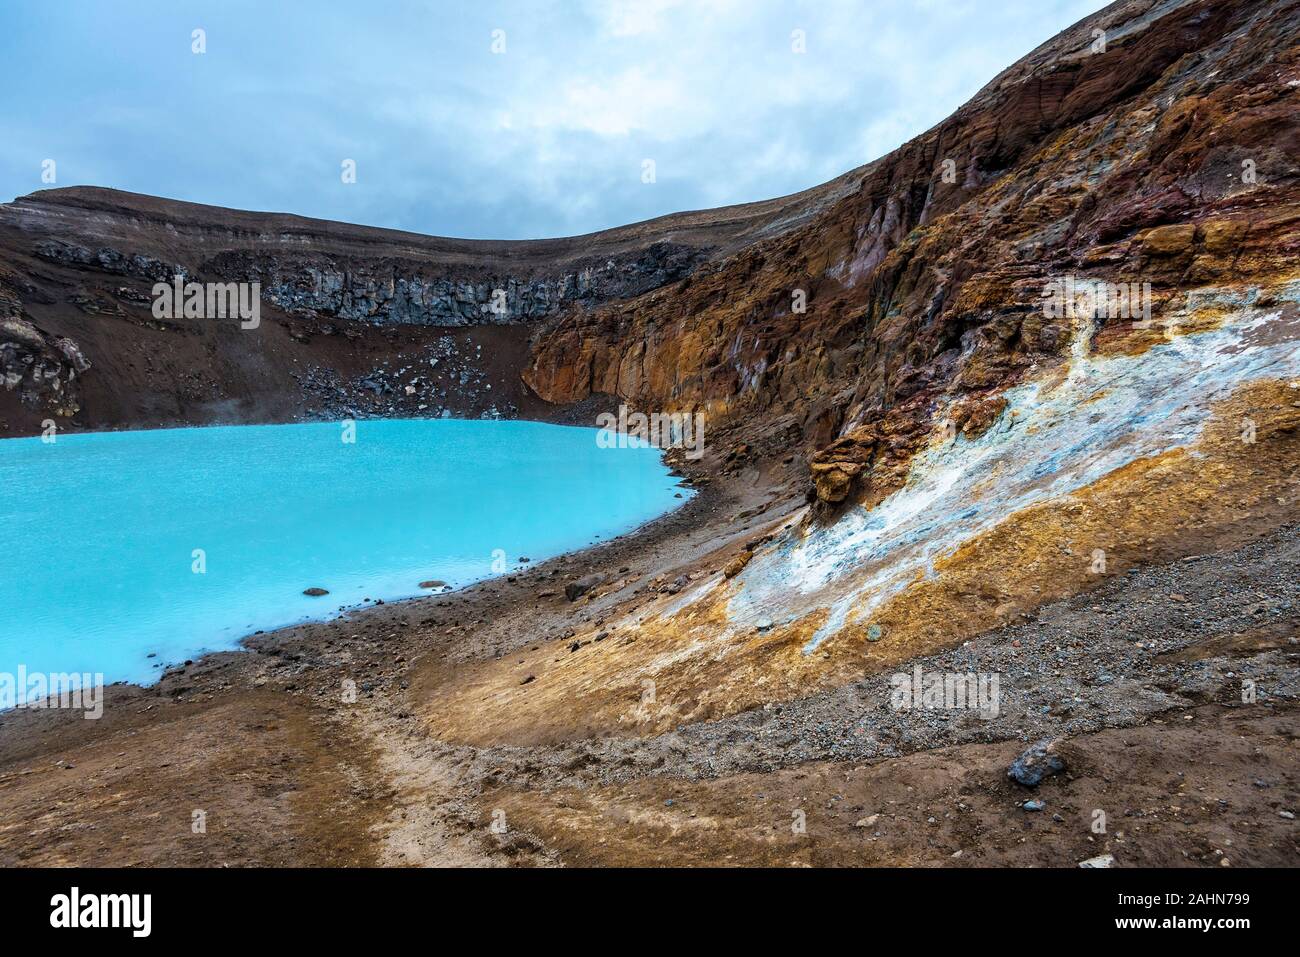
1057	434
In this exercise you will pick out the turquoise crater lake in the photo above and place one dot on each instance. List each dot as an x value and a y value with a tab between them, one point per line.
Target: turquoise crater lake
99	532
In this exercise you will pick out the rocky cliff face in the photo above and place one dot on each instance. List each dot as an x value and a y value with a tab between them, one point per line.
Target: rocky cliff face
389	291
1153	142
42	370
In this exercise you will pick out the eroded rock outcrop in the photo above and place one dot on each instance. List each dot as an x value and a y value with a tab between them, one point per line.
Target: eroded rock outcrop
394	291
108	260
41	370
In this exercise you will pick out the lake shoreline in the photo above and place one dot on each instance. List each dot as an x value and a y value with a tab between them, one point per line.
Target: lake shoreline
258	528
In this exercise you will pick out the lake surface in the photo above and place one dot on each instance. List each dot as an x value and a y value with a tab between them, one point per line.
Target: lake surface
175	542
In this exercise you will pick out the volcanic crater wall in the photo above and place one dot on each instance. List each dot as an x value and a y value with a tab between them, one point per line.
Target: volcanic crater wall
343	305
1166	153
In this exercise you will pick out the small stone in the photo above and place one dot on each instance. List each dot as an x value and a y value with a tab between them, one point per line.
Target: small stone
763	624
528	679
737	564
867	821
1286	814
433	583
315	592
1034	805
1101	860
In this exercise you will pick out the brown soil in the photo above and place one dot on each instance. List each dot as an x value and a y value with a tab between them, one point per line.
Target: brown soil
203	373
276	782
1186	790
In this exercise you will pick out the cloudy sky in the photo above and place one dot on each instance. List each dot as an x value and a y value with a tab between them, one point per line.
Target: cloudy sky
549	136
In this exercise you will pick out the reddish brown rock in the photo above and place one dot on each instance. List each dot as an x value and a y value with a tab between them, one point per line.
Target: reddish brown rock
737	564
1114	166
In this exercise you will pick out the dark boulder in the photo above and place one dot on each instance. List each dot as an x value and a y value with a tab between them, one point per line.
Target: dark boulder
576	589
1038	762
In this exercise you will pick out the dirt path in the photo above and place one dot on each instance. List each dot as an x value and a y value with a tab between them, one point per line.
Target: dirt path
430	821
